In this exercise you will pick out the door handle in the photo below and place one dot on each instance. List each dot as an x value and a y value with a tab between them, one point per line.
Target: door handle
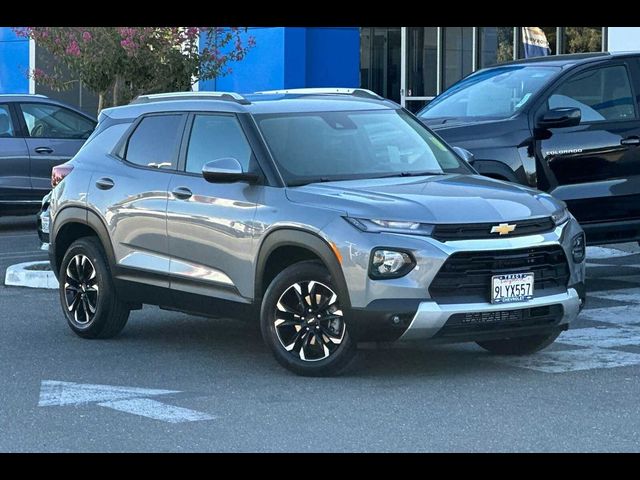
631	141
104	183
43	150
182	193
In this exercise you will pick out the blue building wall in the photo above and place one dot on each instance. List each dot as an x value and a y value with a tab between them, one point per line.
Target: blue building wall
14	62
295	57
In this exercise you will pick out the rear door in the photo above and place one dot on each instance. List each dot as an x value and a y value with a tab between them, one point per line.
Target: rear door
129	188
15	185
54	134
595	166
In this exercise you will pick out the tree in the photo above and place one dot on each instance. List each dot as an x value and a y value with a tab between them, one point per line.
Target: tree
119	63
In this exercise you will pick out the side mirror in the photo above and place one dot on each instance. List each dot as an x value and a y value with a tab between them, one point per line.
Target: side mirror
226	170
466	155
560	118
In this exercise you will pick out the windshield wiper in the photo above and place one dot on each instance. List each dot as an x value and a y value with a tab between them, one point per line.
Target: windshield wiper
300	183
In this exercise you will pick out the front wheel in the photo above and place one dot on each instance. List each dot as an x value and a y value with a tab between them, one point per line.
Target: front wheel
303	324
520	345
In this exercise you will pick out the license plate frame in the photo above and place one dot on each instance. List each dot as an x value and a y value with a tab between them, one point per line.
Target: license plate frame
512	287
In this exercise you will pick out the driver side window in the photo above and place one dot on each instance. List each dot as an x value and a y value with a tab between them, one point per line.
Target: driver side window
601	94
52	121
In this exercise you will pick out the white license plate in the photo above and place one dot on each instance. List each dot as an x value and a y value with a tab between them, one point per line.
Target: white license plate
44	222
515	287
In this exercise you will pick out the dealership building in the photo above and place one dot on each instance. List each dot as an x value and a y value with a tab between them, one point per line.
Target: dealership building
410	65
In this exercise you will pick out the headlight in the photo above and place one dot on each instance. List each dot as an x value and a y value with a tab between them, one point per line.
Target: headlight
386	263
560	216
376	226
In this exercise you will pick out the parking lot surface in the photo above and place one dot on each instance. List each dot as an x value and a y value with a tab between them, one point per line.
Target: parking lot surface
173	382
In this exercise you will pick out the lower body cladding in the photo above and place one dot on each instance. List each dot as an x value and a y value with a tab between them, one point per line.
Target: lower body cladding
445	323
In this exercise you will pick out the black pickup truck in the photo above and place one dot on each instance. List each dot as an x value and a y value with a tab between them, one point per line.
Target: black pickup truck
566	124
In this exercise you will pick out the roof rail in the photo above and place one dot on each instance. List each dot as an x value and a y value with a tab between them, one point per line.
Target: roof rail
39	95
159	97
356	92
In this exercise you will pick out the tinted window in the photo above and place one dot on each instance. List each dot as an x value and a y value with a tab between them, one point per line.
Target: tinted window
6	127
600	94
345	145
217	136
154	142
51	121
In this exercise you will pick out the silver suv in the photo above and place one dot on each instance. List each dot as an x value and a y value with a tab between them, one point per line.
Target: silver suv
332	215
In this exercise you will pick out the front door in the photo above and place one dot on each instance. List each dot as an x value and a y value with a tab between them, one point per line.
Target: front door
15	186
210	225
54	135
595	166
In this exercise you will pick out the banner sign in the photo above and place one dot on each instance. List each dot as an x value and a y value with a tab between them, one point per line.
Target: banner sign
535	42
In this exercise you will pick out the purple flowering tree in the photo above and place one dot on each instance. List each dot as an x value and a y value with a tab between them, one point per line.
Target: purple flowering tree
119	63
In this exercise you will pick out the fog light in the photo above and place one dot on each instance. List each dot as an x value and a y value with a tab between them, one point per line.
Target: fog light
578	248
390	263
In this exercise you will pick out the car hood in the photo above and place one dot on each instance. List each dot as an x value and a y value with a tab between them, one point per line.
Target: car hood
451	198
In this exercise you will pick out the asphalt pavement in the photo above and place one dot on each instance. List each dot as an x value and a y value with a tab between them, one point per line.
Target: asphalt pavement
177	383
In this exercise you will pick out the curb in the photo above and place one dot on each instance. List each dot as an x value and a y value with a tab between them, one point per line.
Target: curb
18	276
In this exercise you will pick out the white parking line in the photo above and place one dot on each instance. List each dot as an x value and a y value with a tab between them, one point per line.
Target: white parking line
146	407
603	252
622	295
601	337
622	315
571	360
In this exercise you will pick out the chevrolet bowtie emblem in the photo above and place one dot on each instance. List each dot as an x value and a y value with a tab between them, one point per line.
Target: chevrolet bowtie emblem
503	228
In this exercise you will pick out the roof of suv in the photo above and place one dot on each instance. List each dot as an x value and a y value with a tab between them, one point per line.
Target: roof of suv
569	59
256	103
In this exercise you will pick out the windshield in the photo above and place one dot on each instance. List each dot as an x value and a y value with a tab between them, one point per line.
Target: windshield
490	94
325	146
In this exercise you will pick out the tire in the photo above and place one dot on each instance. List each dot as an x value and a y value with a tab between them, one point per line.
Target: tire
83	292
318	344
519	345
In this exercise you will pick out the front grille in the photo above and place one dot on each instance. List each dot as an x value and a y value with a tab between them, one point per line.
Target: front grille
465	277
474	231
483	322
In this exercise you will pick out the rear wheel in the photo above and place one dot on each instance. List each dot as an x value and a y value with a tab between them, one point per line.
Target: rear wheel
89	300
303	323
520	345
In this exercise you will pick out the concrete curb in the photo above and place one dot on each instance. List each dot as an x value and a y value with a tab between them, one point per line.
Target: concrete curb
18	276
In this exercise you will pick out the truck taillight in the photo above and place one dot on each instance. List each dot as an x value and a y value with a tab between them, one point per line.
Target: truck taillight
59	172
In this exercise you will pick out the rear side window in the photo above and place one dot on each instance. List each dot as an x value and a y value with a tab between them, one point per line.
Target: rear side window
601	94
154	142
6	127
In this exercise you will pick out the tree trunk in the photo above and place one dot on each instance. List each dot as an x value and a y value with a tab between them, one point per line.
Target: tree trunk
100	101
115	91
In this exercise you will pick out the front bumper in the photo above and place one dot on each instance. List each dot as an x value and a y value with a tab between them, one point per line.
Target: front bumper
432	317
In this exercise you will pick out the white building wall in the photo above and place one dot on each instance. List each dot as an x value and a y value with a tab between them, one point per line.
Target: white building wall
623	39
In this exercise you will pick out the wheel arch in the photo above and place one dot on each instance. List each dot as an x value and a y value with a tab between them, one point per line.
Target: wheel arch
495	169
289	243
72	223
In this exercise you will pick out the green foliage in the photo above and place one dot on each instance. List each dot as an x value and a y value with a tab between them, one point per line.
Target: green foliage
119	63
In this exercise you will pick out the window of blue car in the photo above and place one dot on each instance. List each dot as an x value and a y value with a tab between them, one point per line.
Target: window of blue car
314	146
52	121
6	126
490	94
